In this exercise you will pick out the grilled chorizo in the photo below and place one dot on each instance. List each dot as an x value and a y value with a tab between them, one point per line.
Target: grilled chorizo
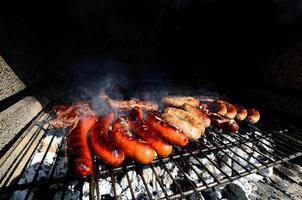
139	127
102	144
164	130
136	149
79	157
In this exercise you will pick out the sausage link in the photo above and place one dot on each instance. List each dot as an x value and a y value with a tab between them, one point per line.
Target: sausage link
79	157
139	127
197	112
166	131
133	148
102	143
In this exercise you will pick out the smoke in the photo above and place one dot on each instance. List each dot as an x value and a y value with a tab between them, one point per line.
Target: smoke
119	81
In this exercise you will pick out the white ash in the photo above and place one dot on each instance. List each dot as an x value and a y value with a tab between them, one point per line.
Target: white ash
86	190
49	159
35	162
266	172
226	157
122	187
19	195
245	185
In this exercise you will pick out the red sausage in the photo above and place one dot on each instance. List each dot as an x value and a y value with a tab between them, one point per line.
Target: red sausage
79	157
224	122
102	143
166	131
139	127
136	149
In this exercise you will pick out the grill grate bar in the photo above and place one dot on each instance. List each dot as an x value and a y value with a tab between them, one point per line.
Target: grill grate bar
283	138
5	153
40	165
299	130
259	152
295	134
217	167
113	182
139	168
96	175
246	169
184	174
173	179
250	155
292	141
209	171
21	155
268	146
186	160
129	182
159	181
282	148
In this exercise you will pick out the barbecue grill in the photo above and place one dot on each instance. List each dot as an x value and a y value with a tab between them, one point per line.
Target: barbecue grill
247	52
37	163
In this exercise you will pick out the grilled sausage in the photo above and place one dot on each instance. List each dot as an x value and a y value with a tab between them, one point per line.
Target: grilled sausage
177	101
189	130
102	143
128	104
197	112
136	149
253	116
213	107
224	122
139	127
222	109
186	116
166	131
231	110
241	113
79	157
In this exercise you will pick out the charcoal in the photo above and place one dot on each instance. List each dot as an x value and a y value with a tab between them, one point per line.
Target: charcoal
233	192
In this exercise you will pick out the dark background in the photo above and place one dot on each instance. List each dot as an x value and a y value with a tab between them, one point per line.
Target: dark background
244	43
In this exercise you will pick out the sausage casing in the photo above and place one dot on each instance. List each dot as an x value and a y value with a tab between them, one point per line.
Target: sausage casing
164	130
136	149
78	154
102	143
139	127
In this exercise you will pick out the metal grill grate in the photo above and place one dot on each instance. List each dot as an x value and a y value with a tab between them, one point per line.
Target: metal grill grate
37	165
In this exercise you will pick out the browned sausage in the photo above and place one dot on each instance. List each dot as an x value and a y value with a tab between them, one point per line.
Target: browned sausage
138	125
231	110
224	122
197	112
136	149
102	143
253	116
186	116
189	130
79	157
177	101
241	113
166	131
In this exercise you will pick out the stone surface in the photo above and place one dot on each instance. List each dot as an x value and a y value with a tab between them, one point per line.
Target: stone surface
14	118
280	189
10	83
